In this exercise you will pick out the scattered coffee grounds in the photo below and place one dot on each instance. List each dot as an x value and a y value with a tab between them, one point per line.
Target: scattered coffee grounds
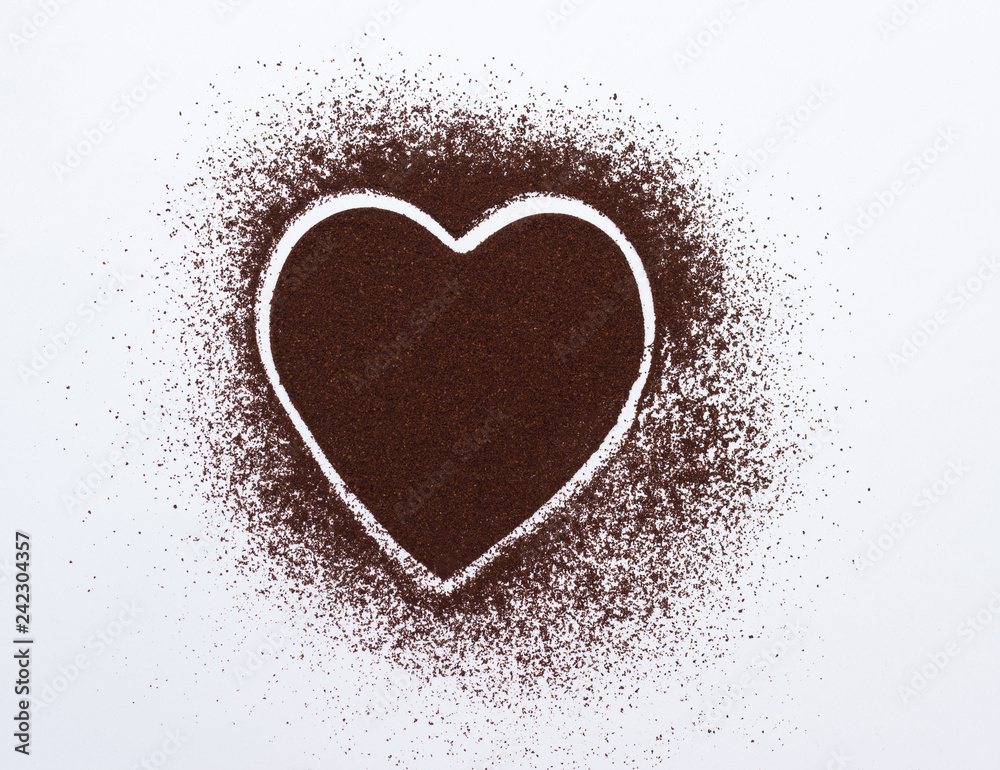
637	570
445	388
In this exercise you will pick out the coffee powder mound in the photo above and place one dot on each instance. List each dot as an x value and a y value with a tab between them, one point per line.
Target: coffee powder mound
625	570
455	393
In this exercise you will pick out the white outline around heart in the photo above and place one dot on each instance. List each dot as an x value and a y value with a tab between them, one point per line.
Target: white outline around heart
489	223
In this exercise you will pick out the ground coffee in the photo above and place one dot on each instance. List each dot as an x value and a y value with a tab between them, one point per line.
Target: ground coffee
456	393
624	573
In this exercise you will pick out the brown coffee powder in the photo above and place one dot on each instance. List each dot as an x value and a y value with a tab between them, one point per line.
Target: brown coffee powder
432	380
624	570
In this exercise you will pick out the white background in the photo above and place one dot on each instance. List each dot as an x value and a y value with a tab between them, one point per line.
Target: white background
833	700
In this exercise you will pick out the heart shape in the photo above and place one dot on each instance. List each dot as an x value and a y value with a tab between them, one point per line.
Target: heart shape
455	391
